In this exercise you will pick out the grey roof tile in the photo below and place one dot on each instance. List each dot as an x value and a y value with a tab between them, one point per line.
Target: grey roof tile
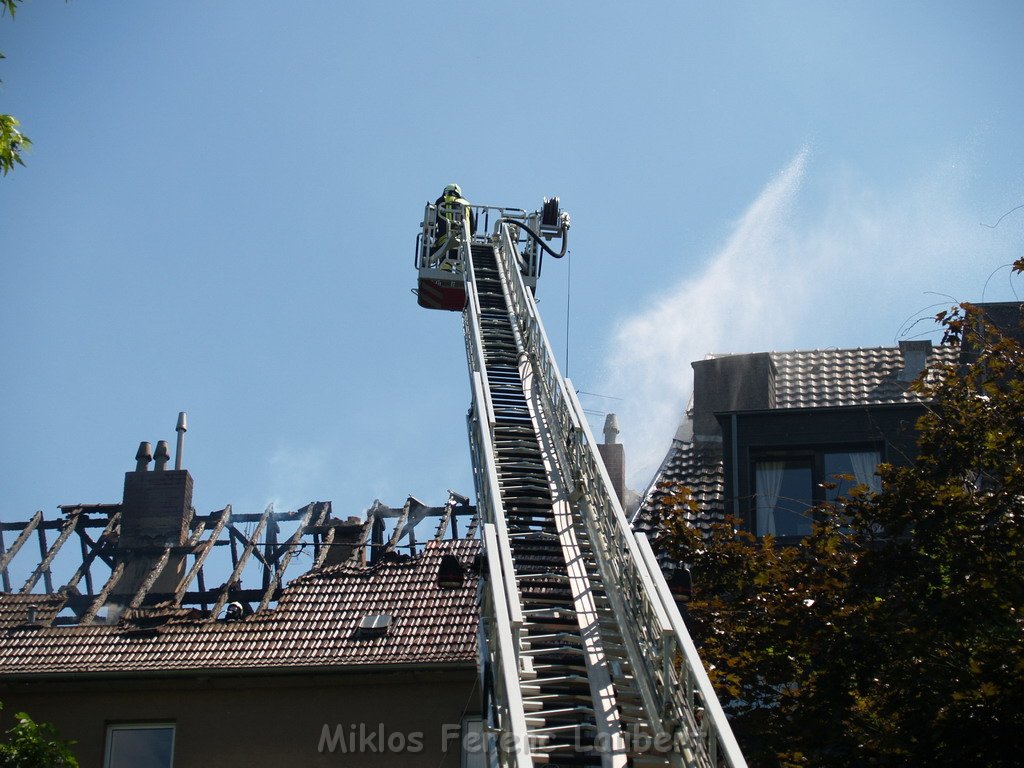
820	378
823	378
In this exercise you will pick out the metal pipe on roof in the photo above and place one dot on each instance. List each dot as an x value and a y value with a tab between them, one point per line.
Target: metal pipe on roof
181	428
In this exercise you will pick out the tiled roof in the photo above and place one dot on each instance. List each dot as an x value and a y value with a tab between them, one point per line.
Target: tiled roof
313	625
700	471
821	378
824	378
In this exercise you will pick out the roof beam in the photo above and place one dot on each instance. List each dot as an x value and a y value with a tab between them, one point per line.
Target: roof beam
325	548
94	547
446	517
292	547
19	542
237	572
399	526
237	535
44	565
225	515
101	598
150	580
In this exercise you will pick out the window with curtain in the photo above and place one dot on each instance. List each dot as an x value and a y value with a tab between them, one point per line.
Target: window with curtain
787	487
784	496
860	465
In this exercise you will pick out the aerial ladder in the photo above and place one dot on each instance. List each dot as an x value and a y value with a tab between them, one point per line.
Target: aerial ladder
585	658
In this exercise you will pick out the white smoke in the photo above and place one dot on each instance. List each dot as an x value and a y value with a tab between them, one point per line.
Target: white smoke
784	279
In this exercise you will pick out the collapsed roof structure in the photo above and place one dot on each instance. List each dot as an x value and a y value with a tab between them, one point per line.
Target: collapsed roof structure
143	572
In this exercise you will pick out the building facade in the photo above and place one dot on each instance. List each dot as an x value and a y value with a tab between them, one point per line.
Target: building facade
767	436
368	657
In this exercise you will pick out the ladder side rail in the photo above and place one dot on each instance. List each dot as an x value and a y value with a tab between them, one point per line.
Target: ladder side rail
513	741
479	483
696	676
714	729
474	340
535	339
622	562
636	613
649	630
494	511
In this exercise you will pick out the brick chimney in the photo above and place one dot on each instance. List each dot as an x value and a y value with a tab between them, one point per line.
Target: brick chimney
156	511
346	540
613	453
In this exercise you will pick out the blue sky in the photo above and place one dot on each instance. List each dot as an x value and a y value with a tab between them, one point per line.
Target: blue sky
219	211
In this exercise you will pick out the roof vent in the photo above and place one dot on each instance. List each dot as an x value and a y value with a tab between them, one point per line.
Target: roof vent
450	574
374	625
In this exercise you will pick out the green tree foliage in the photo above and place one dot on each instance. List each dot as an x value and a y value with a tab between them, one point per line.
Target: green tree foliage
892	635
35	745
12	141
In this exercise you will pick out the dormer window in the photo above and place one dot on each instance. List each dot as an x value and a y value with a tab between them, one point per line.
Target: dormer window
789	485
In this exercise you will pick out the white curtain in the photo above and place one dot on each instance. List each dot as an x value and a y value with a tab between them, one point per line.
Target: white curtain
864	465
769	481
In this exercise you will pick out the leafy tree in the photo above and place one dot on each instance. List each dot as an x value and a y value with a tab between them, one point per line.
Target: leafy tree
893	634
12	141
35	745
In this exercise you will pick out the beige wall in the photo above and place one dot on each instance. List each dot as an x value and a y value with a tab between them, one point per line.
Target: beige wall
273	720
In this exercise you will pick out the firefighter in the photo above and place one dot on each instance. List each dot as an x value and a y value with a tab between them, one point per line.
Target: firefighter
451	209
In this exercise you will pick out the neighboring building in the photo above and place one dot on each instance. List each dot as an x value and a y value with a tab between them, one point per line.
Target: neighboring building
147	660
764	432
372	651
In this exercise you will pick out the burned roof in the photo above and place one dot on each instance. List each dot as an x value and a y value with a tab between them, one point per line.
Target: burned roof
314	625
146	595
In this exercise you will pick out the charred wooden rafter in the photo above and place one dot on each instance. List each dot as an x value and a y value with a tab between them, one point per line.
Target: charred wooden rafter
98	530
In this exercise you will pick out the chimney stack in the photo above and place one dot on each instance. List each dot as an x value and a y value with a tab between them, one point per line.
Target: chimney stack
611	429
347	535
156	512
143	456
915	358
613	454
730	383
162	456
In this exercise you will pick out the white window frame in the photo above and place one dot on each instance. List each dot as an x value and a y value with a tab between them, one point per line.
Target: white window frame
113	727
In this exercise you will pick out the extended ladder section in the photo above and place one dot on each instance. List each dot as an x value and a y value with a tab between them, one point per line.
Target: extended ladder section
586	658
